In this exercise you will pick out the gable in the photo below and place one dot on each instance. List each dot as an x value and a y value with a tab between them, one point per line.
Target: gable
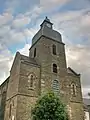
16	61
71	71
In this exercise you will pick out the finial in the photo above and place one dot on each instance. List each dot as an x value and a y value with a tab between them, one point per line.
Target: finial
47	19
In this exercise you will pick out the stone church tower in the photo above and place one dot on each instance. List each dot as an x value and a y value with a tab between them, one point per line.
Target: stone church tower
44	70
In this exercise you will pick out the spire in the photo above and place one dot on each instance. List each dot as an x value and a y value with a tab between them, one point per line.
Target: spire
46	19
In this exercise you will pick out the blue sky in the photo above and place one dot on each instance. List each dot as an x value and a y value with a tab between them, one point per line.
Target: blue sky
20	20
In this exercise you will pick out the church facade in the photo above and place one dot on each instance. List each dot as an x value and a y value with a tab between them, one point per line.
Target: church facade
43	70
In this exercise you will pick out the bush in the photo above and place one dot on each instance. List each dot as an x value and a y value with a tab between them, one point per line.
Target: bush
49	107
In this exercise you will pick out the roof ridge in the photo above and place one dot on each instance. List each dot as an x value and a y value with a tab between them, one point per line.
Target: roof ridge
73	71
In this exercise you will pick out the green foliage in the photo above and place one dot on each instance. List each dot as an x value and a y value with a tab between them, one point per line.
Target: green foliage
49	107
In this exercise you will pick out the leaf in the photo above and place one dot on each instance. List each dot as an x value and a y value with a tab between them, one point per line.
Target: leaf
49	107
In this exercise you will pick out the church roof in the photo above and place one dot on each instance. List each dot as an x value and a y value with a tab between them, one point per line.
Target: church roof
86	101
46	20
5	82
28	60
47	32
71	71
85	107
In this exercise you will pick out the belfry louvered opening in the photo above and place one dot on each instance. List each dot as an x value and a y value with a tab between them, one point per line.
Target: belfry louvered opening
56	86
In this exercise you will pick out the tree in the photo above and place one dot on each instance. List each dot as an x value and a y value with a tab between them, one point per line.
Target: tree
49	107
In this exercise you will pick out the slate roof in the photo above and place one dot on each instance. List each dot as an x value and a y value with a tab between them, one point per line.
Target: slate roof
29	60
86	101
6	81
47	32
71	71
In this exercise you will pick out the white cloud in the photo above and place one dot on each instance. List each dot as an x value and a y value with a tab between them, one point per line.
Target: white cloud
4	30
75	24
10	36
30	32
6	59
21	21
36	11
13	31
20	5
85	92
25	50
78	57
5	18
86	20
52	4
16	37
66	16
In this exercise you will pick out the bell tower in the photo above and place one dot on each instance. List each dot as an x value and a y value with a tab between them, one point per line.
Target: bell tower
48	50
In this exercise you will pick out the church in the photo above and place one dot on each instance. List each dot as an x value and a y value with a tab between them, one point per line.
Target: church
43	70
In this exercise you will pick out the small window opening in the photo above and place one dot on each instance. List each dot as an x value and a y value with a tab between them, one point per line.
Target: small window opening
54	68
35	52
73	89
54	49
31	81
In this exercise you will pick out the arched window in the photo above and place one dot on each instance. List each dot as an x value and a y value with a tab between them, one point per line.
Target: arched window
31	79
54	49
35	52
56	86
73	89
54	68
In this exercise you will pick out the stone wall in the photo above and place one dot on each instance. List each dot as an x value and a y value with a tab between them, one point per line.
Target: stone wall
3	94
24	106
27	69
